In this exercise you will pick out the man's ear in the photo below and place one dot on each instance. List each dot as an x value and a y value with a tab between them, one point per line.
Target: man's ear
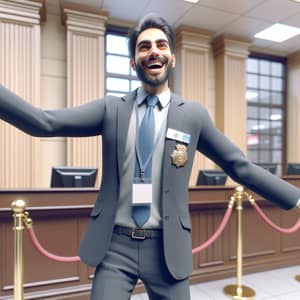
173	60
132	64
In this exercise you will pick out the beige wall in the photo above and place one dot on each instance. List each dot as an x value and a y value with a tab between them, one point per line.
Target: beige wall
210	71
20	71
191	79
293	109
53	85
218	82
85	75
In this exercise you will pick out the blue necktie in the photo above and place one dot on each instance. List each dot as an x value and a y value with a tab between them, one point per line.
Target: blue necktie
141	213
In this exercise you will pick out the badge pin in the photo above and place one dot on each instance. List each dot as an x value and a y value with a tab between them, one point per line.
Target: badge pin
179	156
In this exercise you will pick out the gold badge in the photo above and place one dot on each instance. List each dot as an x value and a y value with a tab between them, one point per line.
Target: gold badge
179	156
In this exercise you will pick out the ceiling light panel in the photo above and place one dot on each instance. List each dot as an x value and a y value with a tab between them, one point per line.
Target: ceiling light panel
278	33
192	1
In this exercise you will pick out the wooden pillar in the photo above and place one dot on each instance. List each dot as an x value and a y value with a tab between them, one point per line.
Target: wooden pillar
231	54
85	74
191	74
20	72
293	107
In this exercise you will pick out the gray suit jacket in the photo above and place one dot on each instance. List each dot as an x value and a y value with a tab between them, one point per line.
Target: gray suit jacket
110	117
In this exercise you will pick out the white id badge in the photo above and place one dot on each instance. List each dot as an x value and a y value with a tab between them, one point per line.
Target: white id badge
142	193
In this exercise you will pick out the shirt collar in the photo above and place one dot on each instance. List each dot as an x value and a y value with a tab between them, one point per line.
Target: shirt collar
164	97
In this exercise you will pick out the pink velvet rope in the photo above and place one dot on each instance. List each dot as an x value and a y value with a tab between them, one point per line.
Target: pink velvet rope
276	227
49	255
216	234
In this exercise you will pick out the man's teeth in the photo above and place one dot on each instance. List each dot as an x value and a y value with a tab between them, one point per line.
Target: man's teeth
154	66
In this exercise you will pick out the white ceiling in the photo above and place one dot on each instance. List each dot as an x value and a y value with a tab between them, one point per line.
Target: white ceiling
239	17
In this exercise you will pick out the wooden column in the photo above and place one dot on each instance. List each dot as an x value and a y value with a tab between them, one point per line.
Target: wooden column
231	105
191	74
20	72
293	107
85	74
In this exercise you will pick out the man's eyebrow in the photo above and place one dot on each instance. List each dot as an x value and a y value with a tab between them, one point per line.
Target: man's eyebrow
156	41
144	42
162	41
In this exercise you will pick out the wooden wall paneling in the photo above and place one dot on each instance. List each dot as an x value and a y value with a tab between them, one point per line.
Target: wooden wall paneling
57	214
254	245
196	240
85	74
61	215
290	243
59	236
2	256
214	254
7	263
7	267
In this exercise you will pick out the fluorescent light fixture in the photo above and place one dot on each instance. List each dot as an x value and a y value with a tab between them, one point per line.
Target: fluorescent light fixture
192	1
275	117
251	95
278	33
258	127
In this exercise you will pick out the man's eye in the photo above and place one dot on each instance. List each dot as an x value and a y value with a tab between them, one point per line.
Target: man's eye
162	45
144	47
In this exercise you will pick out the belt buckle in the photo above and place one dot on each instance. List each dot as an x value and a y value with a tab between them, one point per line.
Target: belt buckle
138	234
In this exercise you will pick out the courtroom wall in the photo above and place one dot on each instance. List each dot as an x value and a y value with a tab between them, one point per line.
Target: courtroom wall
210	70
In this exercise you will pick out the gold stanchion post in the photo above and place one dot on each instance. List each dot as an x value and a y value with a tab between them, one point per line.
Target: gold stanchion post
238	291
18	208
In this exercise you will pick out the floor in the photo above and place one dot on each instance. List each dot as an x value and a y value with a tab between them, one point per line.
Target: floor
277	284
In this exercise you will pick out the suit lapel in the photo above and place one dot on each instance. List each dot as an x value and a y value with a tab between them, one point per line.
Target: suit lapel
174	118
175	107
124	113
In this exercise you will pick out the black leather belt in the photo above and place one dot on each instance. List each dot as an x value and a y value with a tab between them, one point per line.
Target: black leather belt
138	233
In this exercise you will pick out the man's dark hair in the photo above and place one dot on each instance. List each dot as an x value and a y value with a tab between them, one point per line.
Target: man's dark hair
150	21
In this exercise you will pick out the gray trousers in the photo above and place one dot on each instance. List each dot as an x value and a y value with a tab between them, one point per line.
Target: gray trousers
128	260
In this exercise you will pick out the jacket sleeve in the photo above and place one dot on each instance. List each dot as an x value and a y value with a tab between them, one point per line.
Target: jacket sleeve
223	152
84	120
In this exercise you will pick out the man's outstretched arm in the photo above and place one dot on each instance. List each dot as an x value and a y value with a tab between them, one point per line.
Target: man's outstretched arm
84	120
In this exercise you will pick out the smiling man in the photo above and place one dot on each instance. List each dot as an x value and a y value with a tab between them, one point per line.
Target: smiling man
153	60
140	226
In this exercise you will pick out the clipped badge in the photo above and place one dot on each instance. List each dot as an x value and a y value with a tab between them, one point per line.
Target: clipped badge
179	156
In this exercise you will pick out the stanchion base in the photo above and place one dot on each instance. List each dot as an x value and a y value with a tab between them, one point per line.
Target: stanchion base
297	277
245	293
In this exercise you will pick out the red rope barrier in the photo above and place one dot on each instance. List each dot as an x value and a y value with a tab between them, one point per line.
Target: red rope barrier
217	232
51	256
274	226
44	252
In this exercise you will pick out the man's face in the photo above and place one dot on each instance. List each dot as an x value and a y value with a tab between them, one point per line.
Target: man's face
153	58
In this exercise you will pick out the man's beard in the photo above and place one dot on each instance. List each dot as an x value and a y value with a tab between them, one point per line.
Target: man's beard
148	79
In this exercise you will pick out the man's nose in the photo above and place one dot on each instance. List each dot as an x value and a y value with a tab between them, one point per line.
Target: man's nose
154	51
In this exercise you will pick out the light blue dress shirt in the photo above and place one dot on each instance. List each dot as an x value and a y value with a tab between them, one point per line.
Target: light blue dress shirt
123	216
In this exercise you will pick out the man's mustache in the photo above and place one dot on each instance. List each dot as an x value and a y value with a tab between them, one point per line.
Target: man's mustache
160	59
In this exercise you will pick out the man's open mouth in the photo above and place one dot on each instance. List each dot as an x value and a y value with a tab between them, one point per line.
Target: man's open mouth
155	64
